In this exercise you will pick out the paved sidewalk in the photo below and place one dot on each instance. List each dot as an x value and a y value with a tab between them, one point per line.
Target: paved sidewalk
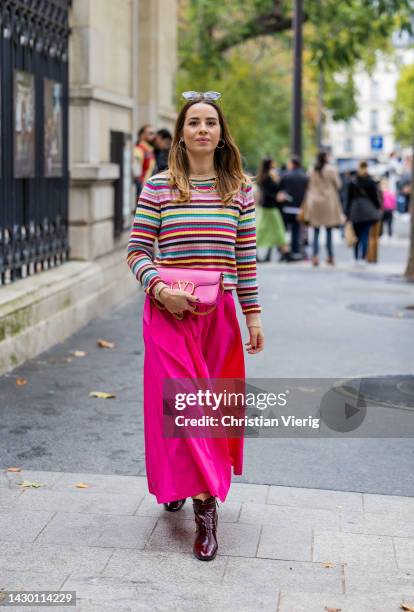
281	549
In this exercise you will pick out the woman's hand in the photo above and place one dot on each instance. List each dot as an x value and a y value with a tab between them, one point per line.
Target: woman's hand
281	197
175	301
256	340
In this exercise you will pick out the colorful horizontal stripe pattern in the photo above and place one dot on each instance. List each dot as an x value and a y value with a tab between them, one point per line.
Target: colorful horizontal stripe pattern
201	234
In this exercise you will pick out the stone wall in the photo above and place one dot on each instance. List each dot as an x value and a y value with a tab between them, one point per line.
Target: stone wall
122	67
122	71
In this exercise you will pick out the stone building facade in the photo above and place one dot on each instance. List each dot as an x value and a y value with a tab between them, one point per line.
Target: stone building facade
122	65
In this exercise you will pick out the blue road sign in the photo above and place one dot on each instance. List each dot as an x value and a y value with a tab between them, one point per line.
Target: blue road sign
377	143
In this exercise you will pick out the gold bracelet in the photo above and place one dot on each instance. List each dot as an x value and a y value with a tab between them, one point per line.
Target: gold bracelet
158	288
159	292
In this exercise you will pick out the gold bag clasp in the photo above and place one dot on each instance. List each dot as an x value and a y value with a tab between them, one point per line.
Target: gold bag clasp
182	285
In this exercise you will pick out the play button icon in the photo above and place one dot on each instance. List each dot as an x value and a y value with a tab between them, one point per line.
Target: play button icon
350	411
343	408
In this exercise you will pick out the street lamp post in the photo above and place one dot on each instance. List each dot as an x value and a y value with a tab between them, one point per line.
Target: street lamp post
297	79
319	126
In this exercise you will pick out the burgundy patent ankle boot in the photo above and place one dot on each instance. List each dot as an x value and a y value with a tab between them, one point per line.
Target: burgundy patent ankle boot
205	543
174	506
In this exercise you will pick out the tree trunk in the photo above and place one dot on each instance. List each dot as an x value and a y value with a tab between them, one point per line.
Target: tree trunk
409	271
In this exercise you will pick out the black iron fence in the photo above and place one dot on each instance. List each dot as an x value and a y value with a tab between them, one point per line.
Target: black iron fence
33	136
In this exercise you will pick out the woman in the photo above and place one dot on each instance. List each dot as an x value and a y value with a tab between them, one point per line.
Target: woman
363	208
389	204
202	212
271	228
322	205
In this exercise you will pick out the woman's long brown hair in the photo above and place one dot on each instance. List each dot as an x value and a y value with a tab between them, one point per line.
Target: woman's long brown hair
227	161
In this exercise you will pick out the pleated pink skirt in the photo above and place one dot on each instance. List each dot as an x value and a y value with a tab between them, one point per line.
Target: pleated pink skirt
207	346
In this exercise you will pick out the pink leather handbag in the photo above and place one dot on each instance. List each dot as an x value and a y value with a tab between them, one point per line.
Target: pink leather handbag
206	285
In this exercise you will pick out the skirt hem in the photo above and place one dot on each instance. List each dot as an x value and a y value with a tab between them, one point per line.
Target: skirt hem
187	493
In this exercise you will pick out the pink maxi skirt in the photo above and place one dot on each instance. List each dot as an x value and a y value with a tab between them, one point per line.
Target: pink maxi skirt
208	346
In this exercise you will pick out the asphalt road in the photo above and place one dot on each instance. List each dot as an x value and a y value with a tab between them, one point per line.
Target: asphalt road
321	323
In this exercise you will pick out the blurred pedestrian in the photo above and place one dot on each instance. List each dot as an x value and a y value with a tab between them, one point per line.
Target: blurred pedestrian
322	205
270	227
394	170
162	146
373	241
363	208
202	211
404	186
143	157
292	189
375	230
389	204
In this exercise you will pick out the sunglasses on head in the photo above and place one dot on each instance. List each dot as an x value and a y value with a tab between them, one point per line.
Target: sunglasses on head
207	95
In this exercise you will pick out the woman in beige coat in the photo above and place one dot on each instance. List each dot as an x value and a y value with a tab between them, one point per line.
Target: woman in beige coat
322	206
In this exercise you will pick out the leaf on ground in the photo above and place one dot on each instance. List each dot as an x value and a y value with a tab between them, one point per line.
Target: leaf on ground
21	381
14	469
102	395
29	483
78	353
328	564
406	606
82	485
332	609
105	344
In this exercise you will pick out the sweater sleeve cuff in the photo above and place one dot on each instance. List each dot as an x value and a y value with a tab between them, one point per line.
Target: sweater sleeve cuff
251	308
149	290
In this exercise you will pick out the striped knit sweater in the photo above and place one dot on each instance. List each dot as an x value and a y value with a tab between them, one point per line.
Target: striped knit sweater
201	234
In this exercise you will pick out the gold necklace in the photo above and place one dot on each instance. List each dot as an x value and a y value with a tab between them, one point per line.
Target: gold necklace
206	189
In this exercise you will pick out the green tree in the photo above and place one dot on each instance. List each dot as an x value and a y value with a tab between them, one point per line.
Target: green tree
255	97
339	97
403	120
340	30
214	33
403	114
